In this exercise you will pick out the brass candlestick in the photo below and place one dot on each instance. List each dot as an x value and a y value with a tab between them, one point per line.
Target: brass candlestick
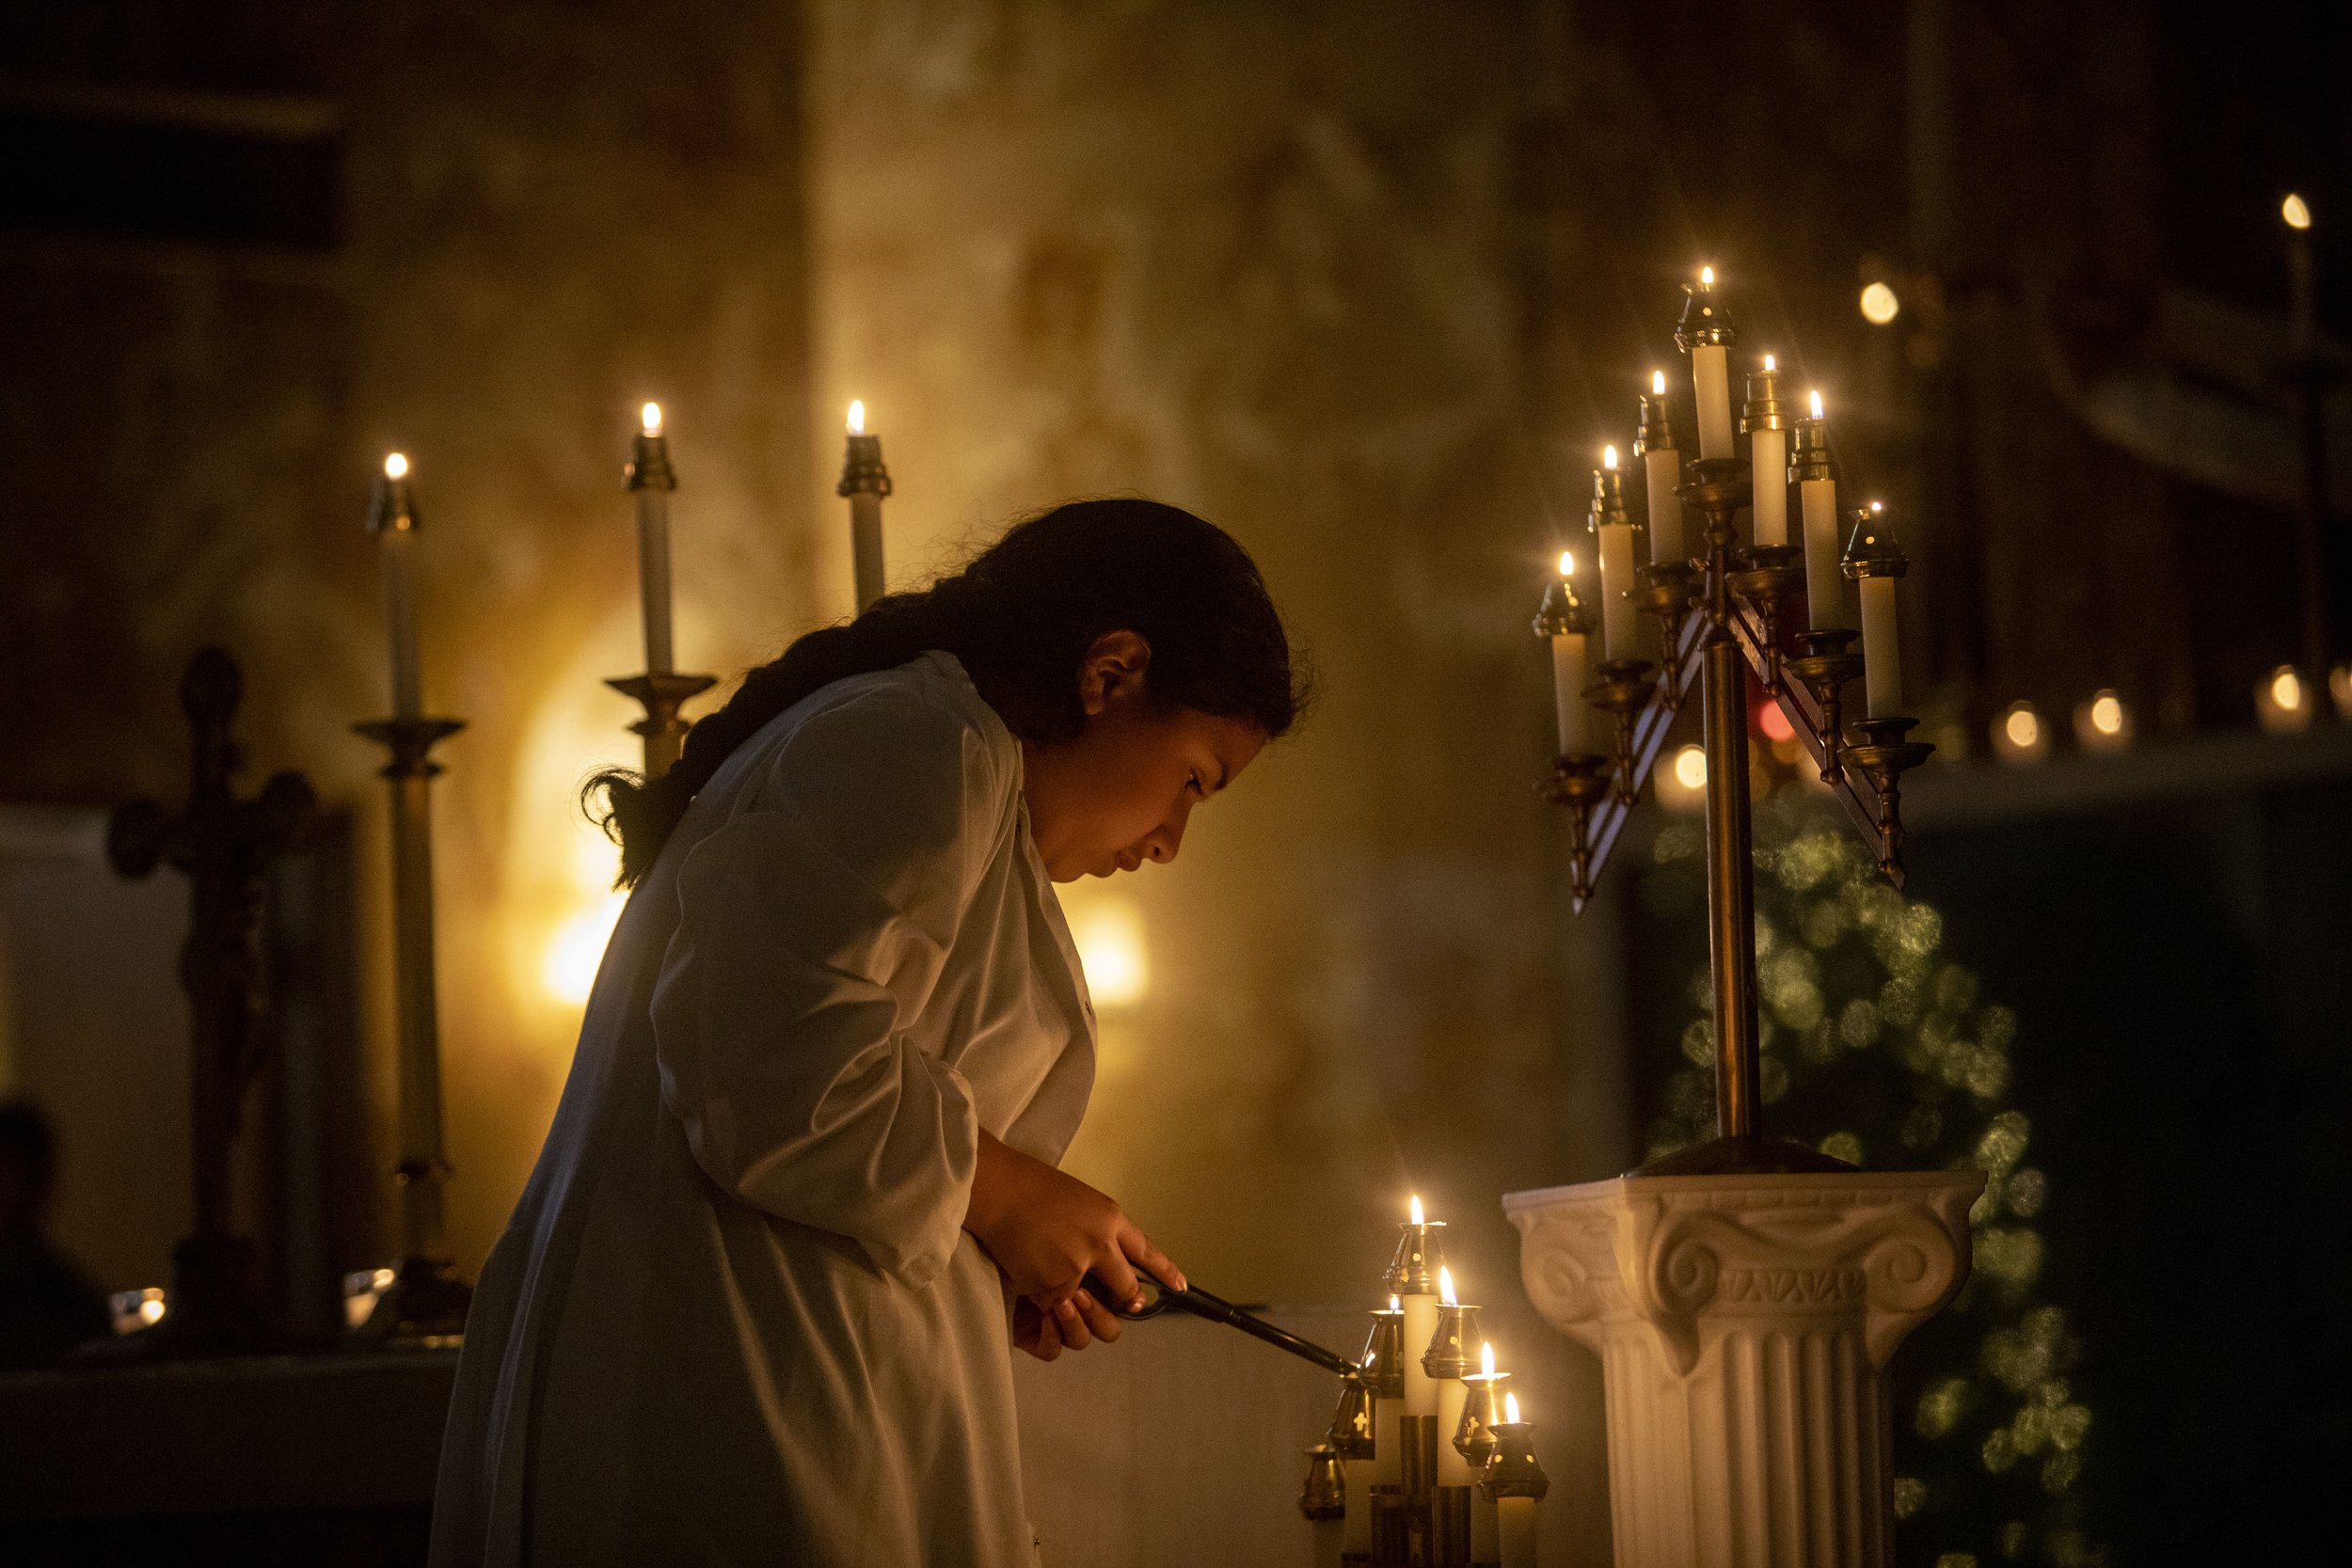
1513	1470
427	1298
662	730
1482	1411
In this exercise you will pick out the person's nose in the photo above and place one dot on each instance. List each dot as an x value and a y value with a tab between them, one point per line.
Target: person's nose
1168	836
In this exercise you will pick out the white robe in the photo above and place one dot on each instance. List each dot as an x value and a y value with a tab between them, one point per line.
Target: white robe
734	1318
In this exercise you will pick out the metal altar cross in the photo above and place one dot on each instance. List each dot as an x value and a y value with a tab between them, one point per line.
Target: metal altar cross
224	847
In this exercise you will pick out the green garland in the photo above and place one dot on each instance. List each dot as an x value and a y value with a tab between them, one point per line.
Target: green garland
1877	1049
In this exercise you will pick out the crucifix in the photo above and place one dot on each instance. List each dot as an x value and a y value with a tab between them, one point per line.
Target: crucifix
224	847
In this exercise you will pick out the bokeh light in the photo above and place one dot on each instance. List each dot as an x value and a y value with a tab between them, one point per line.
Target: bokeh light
1879	304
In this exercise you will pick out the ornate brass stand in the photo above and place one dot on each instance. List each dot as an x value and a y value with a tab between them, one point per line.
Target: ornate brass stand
427	1299
661	728
1724	617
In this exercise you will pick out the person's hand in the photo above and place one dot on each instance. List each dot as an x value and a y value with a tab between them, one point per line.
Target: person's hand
1045	1332
1047	1231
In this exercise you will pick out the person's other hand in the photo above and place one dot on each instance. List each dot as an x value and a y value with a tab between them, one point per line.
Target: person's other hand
1045	1332
1047	1231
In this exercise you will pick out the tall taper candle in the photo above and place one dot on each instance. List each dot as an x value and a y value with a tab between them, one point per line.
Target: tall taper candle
1875	559
1661	466
1413	1277
1706	335
1612	535
1474	1439
651	481
1768	453
1448	1360
865	481
1352	1436
1564	621
1324	1500
1384	1377
393	518
1816	478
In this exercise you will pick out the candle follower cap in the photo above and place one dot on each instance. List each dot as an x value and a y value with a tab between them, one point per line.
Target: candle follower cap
1351	1434
1325	1493
1704	320
1482	1407
1563	611
391	506
862	467
1383	1360
1512	1470
649	463
1808	452
1454	1347
1656	431
1609	497
1419	1256
1872	549
1763	410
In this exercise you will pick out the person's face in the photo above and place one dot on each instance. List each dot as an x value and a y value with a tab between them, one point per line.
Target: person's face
1122	791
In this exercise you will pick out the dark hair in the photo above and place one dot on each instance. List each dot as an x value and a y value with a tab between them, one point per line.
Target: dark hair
1019	617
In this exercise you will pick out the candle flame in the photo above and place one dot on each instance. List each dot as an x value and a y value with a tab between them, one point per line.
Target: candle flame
2296	211
1445	1286
857	415
1511	1408
1707	278
395	466
1658	382
1816	404
651	414
1418	1217
1487	1358
1567	564
1395	1306
1609	458
1878	506
1770	365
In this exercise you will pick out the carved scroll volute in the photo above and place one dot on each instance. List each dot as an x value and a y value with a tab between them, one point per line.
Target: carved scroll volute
1568	1268
1914	1263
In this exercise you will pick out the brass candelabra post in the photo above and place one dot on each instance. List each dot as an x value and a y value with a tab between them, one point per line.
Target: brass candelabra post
1732	613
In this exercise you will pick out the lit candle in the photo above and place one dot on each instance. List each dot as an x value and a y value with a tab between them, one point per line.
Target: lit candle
1613	532
1705	333
650	481
1353	1437
1413	1276
1810	465
393	518
865	481
1448	1362
1874	560
1565	622
1661	466
1516	1482
1768	453
2302	307
1475	1439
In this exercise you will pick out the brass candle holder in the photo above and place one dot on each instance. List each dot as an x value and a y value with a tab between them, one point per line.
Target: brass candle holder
661	693
1482	1412
1513	1470
1722	621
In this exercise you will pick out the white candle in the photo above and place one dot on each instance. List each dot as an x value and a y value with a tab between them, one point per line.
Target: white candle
1875	561
1515	1525
866	499
395	526
1817	498
1710	377
1330	1539
1768	456
1355	1531
1563	621
649	477
1882	656
1420	1326
1662	471
1453	1469
1613	525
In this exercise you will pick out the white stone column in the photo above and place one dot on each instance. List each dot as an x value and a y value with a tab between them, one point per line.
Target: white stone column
1744	1324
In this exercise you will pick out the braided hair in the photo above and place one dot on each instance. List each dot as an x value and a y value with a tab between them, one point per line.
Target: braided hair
1019	617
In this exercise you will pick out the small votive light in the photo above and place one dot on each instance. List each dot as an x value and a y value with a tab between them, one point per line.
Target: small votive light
135	1309
651	416
1658	382
2103	724
395	466
2019	735
1816	399
1682	783
1707	278
2296	211
1607	457
2282	702
1567	564
857	415
1879	304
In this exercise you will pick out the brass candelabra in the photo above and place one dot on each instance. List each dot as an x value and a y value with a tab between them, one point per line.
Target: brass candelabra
1732	613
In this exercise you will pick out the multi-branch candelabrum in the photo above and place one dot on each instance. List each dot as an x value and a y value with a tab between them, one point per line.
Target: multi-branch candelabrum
1729	612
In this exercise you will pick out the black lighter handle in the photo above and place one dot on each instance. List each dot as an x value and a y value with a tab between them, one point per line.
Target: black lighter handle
1215	1310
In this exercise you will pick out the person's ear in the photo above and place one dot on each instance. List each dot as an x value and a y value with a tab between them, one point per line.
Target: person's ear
1113	671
